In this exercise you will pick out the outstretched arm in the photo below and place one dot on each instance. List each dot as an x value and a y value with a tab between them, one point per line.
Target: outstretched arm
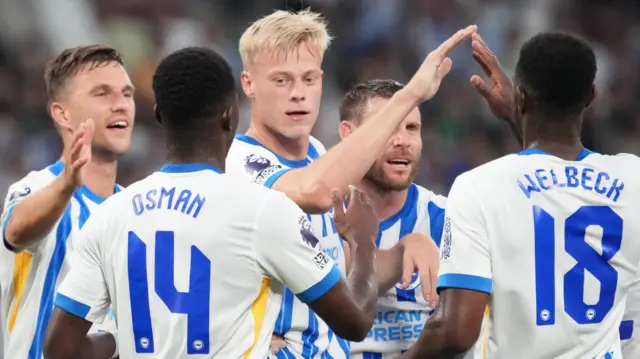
310	187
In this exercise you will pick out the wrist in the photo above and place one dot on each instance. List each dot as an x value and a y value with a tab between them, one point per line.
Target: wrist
408	96
65	187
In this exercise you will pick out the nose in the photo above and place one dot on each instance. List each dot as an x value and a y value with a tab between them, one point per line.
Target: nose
297	92
400	139
120	103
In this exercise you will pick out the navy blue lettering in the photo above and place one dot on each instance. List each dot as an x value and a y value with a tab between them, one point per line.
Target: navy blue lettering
187	202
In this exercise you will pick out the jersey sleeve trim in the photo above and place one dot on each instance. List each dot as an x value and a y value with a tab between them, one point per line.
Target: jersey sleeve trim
4	226
274	177
465	281
626	329
322	287
72	306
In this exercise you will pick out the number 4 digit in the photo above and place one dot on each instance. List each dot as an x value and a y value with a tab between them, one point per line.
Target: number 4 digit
587	258
195	303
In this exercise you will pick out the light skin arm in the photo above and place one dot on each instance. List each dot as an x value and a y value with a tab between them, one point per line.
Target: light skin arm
453	328
310	187
67	338
37	214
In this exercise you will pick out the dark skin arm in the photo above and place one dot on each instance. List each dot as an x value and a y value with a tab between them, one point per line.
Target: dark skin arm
349	308
453	328
67	338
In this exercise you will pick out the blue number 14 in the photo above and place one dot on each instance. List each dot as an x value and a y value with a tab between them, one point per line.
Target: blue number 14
195	303
587	258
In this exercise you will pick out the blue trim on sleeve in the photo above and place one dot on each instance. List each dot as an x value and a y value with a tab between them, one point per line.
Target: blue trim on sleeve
188	168
4	225
626	329
322	287
436	221
72	306
465	281
274	177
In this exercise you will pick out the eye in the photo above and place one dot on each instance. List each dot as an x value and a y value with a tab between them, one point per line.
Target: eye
413	128
310	80
280	81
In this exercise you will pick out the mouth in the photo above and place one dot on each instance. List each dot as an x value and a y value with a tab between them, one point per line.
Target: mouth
296	115
399	163
120	125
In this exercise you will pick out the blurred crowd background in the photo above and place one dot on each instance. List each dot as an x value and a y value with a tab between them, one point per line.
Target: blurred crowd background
374	39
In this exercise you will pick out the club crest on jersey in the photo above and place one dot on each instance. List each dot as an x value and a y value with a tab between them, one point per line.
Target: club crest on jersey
445	251
17	195
415	282
306	233
254	164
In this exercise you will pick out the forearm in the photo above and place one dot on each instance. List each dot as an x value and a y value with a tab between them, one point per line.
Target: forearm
389	264
349	160
362	277
36	215
432	344
97	346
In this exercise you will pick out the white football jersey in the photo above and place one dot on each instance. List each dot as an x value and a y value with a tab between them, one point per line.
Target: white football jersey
402	313
306	334
193	262
555	244
29	278
630	327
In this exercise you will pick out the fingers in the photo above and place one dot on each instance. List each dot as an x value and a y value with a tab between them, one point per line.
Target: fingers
444	68
338	203
450	44
89	130
478	83
483	65
408	268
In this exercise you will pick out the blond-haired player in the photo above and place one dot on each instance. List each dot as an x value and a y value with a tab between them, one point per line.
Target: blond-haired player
282	55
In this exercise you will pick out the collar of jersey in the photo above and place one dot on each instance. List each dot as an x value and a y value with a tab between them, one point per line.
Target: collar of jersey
311	152
536	151
57	168
188	167
409	203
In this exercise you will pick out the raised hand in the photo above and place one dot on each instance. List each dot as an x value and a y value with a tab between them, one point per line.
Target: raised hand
499	91
78	156
359	224
421	255
426	81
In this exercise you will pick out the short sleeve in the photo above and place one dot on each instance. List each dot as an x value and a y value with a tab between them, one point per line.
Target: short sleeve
83	291
288	250
465	259
16	193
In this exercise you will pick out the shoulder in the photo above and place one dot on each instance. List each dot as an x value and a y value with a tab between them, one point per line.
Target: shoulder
32	182
247	157
429	198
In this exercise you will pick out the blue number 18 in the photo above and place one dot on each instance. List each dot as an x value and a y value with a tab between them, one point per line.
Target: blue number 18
587	258
194	303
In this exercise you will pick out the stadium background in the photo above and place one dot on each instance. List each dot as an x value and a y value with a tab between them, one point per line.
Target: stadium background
374	39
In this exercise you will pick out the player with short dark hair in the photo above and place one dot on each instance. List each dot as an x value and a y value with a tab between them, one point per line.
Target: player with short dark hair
195	261
90	99
521	231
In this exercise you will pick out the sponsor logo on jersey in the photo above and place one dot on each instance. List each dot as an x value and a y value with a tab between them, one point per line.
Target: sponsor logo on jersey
445	252
255	164
19	194
415	282
266	173
321	260
306	233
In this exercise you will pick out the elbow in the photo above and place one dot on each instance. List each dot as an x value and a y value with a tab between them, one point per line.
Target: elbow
356	330
455	340
314	199
11	235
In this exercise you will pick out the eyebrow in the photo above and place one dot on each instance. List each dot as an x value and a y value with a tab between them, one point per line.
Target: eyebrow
106	87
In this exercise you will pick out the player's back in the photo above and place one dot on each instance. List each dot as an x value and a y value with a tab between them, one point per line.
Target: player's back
181	266
562	240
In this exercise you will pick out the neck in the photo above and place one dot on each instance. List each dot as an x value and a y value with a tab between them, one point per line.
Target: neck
560	138
100	176
386	202
291	149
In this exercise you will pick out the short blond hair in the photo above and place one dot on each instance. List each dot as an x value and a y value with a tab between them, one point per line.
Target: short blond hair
284	31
